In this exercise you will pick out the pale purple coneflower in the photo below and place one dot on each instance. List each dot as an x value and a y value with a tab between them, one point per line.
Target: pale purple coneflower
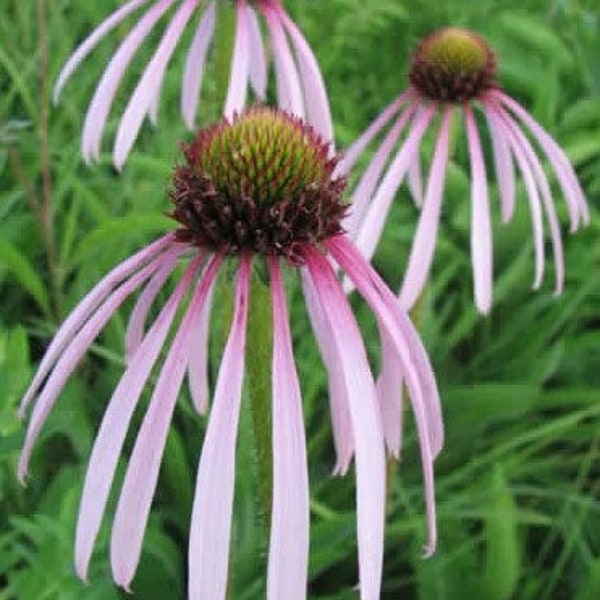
454	69
300	86
259	188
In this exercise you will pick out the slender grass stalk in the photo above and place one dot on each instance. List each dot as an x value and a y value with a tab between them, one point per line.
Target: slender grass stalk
45	214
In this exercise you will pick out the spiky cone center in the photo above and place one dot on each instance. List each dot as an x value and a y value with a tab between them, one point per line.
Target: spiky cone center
453	65
260	183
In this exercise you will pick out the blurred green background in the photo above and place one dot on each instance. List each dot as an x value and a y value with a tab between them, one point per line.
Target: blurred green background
518	483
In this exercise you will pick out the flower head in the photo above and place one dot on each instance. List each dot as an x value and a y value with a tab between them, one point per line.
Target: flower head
261	184
453	65
455	70
300	87
257	188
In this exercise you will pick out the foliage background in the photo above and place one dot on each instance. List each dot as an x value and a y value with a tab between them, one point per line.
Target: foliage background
518	483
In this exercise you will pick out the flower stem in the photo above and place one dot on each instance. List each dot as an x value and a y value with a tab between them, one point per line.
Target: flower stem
258	363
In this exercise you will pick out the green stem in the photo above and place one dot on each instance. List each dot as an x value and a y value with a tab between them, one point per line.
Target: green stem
258	365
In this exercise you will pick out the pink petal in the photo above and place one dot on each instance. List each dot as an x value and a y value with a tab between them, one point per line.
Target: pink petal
574	196
74	352
420	381
198	358
421	254
416	365
533	196
481	225
415	181
238	79
137	321
85	308
289	91
288	547
153	105
389	393
315	93
350	156
194	65
210	531
142	472
340	417
97	113
503	164
257	60
115	423
372	225
364	190
364	414
91	42
544	188
149	85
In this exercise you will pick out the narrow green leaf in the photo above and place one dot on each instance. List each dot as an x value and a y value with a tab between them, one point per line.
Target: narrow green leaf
12	259
503	559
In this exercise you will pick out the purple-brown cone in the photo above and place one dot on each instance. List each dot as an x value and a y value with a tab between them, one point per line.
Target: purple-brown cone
262	183
453	65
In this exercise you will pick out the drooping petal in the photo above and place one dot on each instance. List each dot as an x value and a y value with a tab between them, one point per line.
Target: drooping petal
535	205
503	163
544	188
316	101
73	353
289	91
142	472
350	156
395	324
238	78
148	86
85	308
389	393
194	65
340	417
210	529
372	225
288	546
351	261
115	423
366	424
481	223
137	320
364	190
415	181
574	196
198	358
91	42
423	245
257	61
153	104
97	113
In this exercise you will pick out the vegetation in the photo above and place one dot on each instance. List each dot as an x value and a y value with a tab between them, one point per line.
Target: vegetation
518	483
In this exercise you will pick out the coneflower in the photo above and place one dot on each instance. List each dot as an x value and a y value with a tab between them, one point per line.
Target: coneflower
454	70
258	189
300	87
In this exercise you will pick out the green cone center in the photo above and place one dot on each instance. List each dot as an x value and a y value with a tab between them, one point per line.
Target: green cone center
456	51
264	154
